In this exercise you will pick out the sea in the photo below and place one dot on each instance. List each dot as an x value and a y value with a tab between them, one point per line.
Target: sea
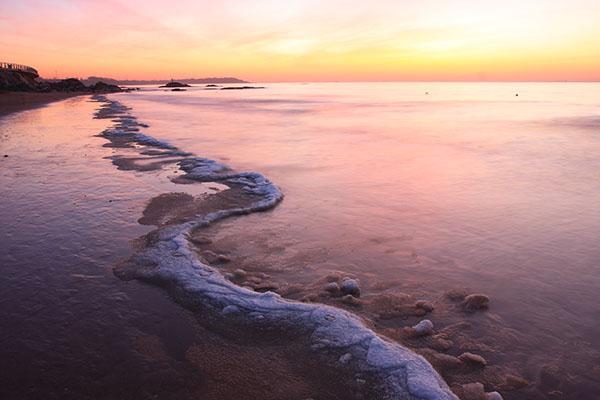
417	191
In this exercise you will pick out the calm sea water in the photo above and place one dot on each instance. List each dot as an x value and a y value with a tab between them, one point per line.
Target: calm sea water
433	186
493	187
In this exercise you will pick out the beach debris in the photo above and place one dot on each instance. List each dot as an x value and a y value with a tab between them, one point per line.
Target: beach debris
345	358
473	359
350	286
475	302
423	328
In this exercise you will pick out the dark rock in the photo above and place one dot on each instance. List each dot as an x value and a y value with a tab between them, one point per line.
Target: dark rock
69	85
105	88
350	286
173	84
242	87
475	302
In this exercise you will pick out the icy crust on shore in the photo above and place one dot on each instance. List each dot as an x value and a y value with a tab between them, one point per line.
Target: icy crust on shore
171	261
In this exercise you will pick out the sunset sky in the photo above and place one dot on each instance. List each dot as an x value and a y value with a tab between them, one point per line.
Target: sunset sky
306	40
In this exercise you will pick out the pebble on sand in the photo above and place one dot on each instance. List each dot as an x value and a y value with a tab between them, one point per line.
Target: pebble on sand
423	328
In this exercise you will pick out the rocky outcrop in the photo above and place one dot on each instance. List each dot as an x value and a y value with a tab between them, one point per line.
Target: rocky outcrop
15	81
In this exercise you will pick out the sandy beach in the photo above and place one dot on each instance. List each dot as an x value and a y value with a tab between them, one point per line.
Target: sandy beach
11	102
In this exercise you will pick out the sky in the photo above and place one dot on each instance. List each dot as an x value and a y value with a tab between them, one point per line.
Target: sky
306	40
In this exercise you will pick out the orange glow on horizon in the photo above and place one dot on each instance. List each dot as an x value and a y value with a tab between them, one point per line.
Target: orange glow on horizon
306	40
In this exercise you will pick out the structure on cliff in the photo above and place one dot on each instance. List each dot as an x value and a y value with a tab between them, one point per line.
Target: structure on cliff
17	77
24	69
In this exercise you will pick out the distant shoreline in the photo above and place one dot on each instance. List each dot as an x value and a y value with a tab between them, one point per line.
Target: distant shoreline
129	82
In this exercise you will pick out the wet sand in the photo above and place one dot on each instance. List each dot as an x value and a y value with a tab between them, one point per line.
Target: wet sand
11	102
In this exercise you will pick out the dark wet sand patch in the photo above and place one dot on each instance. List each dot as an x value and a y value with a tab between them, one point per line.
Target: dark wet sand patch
143	163
175	208
267	365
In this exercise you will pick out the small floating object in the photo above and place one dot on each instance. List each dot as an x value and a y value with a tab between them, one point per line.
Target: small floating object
517	95
426	92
